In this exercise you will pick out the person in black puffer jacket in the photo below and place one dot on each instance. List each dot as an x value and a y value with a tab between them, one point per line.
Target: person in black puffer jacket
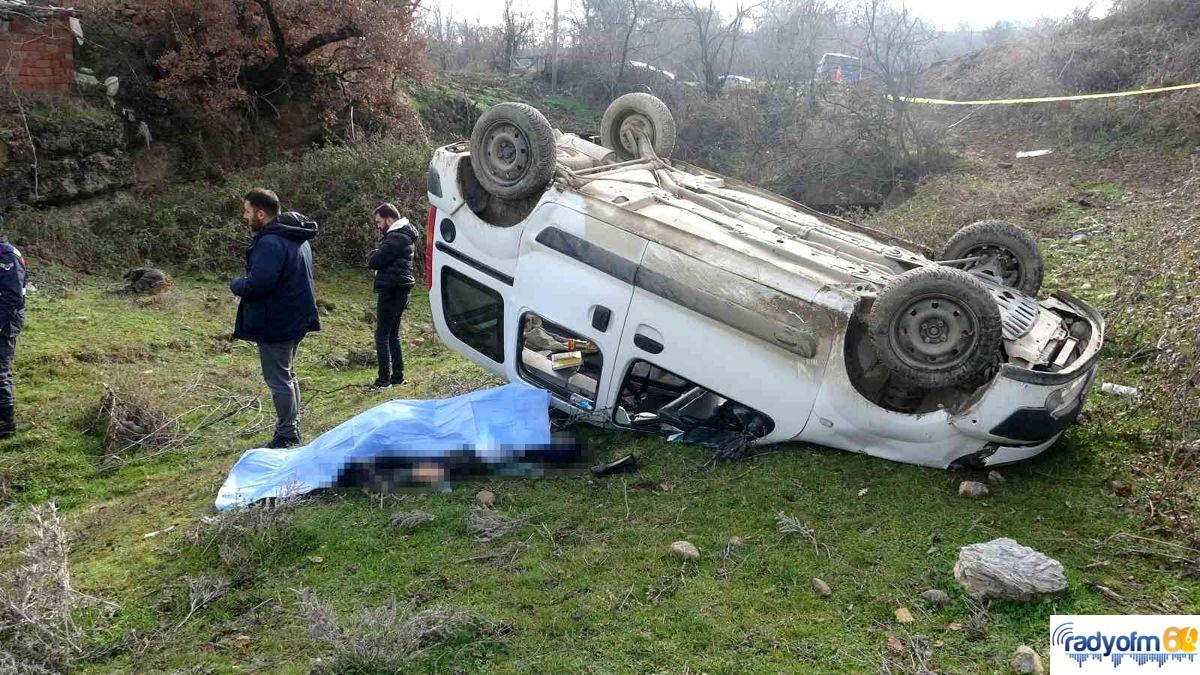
393	265
278	302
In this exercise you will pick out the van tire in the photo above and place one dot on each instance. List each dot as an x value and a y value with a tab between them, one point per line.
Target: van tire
639	110
1015	260
512	151
935	327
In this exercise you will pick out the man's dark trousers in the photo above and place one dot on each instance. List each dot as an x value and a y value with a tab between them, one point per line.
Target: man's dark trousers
392	303
277	360
10	328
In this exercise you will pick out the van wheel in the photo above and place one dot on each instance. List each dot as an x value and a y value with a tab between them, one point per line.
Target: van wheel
512	151
935	327
637	112
1007	254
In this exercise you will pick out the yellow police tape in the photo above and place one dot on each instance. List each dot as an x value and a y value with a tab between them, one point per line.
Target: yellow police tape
1048	99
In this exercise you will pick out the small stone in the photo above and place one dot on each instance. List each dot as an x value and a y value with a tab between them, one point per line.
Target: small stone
1079	238
1025	660
736	542
995	477
1086	286
903	615
685	550
485	498
316	559
972	489
821	588
935	597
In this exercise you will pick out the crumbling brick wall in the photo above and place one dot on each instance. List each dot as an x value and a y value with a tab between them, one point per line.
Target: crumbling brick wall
37	57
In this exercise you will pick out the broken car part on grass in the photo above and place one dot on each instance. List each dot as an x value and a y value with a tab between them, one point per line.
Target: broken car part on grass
650	295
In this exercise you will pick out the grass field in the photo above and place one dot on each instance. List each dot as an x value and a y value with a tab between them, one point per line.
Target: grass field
585	581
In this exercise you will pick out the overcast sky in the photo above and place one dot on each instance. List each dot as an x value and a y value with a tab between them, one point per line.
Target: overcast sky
943	14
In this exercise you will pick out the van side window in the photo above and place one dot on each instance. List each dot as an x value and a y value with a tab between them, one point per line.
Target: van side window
657	400
560	360
474	313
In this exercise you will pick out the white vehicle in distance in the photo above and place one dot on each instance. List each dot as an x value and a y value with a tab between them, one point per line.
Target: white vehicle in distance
650	295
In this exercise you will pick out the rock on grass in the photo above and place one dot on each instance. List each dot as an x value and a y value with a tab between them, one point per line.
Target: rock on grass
685	550
936	597
1025	660
1005	570
972	489
821	588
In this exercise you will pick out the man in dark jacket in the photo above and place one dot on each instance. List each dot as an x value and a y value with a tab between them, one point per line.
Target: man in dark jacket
278	302
393	265
12	320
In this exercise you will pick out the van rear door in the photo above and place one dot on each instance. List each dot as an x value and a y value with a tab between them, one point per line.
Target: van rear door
572	289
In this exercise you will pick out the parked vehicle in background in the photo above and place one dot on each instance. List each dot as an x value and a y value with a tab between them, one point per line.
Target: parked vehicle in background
655	296
839	68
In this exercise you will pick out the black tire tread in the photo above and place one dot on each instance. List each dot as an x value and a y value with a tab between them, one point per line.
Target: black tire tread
540	135
665	131
901	290
1016	239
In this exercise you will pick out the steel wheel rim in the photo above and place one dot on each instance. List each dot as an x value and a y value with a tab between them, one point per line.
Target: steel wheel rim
935	332
999	264
506	150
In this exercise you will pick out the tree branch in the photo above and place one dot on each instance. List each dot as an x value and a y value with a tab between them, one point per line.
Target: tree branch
317	41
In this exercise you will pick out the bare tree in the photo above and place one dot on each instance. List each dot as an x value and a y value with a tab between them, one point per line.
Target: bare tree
892	40
716	41
517	29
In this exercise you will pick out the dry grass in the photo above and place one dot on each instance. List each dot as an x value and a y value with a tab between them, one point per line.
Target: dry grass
411	520
247	537
489	524
387	638
126	420
40	611
791	526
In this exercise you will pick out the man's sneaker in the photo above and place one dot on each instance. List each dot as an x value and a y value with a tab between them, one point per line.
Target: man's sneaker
398	380
378	385
281	442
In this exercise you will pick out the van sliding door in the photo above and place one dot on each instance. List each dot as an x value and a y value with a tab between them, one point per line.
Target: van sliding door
572	290
722	333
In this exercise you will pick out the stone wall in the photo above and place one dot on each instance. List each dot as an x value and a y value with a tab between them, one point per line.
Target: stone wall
77	153
38	58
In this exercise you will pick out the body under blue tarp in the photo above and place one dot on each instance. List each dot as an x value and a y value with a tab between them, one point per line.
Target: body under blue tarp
490	422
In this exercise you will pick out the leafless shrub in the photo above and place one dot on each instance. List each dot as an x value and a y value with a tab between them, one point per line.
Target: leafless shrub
202	590
125	419
411	520
385	638
246	537
791	526
135	423
489	524
39	609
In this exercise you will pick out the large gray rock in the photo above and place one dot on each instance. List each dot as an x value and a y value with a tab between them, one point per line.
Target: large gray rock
1005	570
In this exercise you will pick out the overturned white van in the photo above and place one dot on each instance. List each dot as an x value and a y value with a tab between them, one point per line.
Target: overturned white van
650	295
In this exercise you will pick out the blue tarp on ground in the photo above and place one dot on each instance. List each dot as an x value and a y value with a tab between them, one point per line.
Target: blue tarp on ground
490	422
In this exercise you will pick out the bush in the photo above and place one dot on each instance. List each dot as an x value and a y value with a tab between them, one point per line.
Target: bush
197	226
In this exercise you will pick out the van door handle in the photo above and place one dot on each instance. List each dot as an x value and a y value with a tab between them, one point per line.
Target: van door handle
647	344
